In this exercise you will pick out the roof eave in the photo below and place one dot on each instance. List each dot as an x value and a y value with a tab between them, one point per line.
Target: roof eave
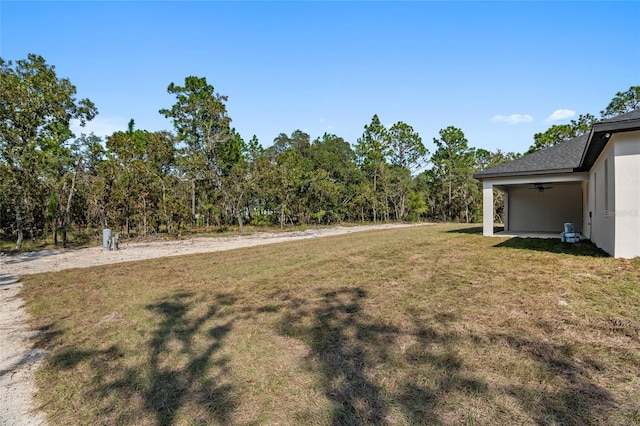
586	148
599	137
480	176
617	126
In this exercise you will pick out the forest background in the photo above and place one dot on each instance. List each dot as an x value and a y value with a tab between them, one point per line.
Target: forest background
203	173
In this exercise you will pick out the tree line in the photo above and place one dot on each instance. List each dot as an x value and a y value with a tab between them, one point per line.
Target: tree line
203	173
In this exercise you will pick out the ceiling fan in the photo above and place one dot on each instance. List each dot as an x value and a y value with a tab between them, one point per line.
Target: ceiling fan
540	187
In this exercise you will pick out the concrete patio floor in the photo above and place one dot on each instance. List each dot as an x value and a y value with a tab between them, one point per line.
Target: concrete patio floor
529	234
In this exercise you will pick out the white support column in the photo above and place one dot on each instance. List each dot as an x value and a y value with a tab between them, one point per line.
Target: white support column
506	210
487	208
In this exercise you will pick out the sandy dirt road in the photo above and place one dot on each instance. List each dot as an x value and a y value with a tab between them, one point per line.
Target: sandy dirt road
18	359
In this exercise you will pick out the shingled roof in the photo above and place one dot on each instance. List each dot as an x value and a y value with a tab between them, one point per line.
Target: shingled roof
563	157
602	131
578	154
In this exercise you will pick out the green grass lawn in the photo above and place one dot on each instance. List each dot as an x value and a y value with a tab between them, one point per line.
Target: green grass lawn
427	325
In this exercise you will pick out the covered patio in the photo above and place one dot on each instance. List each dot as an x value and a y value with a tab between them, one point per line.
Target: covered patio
542	191
535	206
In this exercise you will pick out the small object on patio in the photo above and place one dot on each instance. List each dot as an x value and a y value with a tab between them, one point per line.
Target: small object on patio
569	235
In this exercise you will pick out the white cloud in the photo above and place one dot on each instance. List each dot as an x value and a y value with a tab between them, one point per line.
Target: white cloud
513	118
101	126
560	114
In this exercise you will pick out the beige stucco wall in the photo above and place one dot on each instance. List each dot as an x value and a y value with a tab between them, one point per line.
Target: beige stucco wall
602	200
530	210
626	213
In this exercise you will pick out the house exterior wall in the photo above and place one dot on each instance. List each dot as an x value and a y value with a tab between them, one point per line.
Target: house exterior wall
626	213
603	203
533	211
602	200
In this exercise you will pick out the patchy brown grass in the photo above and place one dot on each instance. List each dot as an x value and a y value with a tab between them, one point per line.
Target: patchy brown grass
428	325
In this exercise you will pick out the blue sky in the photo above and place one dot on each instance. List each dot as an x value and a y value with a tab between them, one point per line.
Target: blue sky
497	70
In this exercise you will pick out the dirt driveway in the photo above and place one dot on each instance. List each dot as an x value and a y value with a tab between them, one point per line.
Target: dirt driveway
18	359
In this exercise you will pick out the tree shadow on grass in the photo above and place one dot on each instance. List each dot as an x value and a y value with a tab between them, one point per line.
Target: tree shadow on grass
348	344
69	358
435	350
436	381
553	245
340	338
573	400
356	354
181	367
